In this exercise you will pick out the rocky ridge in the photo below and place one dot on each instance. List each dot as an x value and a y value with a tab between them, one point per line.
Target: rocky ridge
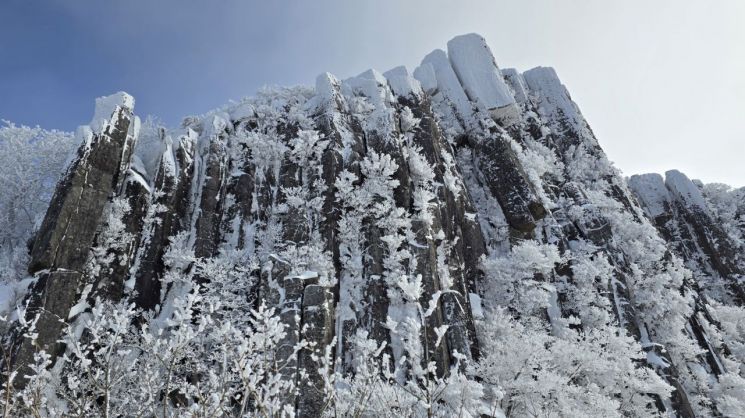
324	198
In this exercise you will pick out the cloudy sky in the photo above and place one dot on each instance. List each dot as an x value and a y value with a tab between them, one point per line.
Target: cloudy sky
661	82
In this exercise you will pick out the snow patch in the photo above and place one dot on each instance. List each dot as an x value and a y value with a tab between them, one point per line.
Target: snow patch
306	275
327	93
402	83
476	308
242	111
480	77
425	74
13	292
517	83
552	97
684	189
107	106
448	85
371	84
651	191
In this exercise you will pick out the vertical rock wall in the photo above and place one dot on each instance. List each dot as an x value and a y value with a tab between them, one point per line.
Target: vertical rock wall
342	195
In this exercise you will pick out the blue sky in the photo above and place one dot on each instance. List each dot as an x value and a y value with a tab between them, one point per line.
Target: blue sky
662	83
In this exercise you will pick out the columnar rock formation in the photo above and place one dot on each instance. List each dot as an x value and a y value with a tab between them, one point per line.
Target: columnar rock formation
337	192
64	242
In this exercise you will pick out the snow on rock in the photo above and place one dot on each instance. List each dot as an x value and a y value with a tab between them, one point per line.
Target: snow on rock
106	106
148	150
219	123
402	83
425	74
12	293
242	111
327	92
307	275
480	77
517	83
167	160
371	84
437	63
198	210
553	99
137	165
684	190
476	308
83	136
651	191
137	177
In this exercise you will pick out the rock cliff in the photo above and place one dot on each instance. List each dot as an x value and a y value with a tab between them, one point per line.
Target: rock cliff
330	203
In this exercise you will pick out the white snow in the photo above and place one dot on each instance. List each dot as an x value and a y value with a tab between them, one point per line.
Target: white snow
13	292
476	309
84	137
402	83
553	99
517	83
447	82
655	360
135	176
327	88
167	160
553	309
218	124
242	111
82	304
684	189
651	191
306	275
106	106
377	108
477	71
137	165
425	74
371	84
148	151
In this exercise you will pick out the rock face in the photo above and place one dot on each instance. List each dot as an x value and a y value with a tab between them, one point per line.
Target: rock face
66	237
683	216
339	191
685	219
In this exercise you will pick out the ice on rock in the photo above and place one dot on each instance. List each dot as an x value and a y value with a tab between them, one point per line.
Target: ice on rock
480	77
106	106
684	189
437	63
402	83
651	191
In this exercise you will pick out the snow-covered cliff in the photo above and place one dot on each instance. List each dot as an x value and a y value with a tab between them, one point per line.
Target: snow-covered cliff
450	241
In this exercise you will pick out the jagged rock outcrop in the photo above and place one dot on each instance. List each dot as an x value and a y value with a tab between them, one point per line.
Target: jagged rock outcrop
331	203
65	240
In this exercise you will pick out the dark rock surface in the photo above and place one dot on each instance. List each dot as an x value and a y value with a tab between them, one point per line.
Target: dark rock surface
64	241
